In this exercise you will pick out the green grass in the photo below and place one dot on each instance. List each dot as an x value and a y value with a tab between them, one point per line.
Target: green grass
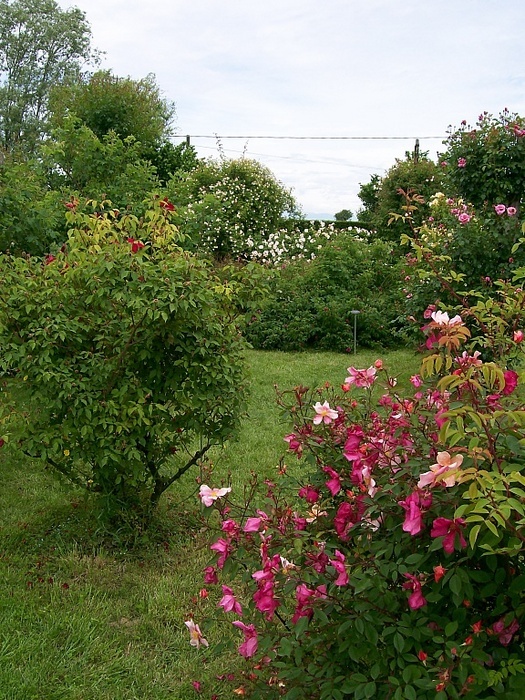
89	618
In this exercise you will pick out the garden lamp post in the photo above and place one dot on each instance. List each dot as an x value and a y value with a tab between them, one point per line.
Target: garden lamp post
355	312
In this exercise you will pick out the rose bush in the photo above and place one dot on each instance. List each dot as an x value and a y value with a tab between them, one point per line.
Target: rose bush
127	351
391	564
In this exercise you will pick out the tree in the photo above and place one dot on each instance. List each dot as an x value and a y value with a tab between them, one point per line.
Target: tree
105	102
343	215
41	46
383	196
32	218
79	162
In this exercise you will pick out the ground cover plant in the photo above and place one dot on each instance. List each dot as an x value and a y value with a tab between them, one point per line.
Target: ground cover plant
86	615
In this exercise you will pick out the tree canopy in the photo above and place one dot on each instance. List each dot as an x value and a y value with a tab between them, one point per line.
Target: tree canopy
41	46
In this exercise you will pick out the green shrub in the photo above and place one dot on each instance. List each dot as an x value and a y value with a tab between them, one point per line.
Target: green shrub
311	301
129	352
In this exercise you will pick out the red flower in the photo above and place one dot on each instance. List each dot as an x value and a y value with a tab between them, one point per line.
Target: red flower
135	245
166	204
439	572
511	382
415	599
448	529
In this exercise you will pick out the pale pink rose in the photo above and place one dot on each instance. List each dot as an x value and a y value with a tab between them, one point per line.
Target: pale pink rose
518	336
196	638
208	495
324	414
500	209
441	318
445	471
511	211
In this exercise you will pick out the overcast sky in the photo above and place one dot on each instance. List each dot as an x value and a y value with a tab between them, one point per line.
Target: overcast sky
303	68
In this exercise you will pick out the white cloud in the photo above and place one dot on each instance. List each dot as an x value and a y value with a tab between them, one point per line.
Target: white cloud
304	68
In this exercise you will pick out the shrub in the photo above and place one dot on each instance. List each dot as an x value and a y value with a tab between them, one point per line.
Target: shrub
311	301
231	206
396	569
128	350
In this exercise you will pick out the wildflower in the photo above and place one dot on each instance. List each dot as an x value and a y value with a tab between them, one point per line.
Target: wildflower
309	494
348	514
249	646
511	382
324	414
334	483
446	465
229	602
166	204
223	548
264	598
135	245
500	209
210	575
196	638
416	599
209	495
448	529
416	381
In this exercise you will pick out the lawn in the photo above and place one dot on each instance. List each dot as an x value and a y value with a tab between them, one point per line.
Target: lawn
88	617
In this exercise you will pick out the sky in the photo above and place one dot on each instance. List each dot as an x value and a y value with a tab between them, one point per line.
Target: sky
379	73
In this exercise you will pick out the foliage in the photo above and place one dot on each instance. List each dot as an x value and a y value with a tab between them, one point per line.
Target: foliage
105	102
311	301
396	570
229	207
485	164
41	46
32	218
343	215
129	351
462	257
382	197
80	162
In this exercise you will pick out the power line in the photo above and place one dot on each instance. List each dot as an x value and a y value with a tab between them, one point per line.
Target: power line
308	138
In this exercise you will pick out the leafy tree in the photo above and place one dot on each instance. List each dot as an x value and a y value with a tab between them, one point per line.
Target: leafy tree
107	104
109	167
130	351
41	45
384	196
104	102
343	215
485	164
